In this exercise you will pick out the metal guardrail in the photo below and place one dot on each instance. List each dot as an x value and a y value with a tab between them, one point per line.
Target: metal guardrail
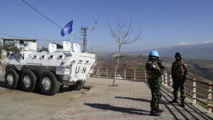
197	92
125	73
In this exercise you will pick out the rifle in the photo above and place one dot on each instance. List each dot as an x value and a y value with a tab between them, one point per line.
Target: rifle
160	64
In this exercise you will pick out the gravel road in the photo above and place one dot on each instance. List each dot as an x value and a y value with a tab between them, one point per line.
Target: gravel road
20	105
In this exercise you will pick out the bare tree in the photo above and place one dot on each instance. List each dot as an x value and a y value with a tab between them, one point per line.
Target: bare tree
121	34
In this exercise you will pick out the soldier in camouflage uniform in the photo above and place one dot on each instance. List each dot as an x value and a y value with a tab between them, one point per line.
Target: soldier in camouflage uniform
179	75
154	70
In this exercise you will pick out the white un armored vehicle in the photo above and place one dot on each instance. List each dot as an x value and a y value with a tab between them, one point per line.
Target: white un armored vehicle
48	70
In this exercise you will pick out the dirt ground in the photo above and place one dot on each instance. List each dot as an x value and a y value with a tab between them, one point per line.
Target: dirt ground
20	105
0	68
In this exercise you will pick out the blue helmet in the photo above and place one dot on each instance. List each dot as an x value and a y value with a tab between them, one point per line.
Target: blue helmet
178	54
154	54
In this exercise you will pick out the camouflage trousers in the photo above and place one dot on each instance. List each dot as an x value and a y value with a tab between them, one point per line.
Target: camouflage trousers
155	85
177	83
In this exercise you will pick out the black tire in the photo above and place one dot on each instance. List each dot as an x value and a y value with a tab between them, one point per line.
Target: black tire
78	86
28	81
48	83
61	86
11	78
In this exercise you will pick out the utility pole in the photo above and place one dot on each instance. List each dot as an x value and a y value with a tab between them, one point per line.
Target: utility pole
84	34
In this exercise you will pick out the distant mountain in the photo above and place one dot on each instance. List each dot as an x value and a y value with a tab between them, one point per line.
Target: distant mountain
198	51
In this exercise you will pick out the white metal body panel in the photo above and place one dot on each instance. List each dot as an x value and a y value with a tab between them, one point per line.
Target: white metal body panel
63	62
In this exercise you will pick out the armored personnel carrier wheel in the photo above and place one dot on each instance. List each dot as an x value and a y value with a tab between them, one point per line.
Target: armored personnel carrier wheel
11	78
28	81
79	85
48	83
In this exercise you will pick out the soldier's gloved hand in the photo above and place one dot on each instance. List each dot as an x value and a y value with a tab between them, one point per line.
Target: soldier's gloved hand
159	62
162	67
182	81
184	78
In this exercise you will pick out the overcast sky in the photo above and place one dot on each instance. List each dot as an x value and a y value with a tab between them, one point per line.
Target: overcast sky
163	22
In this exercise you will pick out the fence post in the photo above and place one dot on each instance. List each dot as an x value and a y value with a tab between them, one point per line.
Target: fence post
162	79
124	73
194	92
209	104
145	75
166	78
99	72
106	72
134	74
170	78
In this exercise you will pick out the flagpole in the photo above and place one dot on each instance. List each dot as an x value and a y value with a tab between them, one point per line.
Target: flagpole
72	35
71	38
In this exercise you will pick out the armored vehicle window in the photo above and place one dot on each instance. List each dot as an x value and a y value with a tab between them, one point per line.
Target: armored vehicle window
42	57
51	56
87	62
60	57
35	56
80	61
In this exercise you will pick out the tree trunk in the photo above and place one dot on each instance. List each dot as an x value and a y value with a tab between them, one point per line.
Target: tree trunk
116	67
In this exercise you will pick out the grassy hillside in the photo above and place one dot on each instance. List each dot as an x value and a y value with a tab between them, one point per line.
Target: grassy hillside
202	68
197	67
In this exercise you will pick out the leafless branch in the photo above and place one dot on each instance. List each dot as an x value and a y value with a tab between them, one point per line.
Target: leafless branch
122	37
113	33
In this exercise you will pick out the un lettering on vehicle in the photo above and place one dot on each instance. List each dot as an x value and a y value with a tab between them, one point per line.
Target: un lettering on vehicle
83	70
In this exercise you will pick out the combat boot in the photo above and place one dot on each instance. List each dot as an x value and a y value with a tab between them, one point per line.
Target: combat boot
174	100
154	113
159	110
182	103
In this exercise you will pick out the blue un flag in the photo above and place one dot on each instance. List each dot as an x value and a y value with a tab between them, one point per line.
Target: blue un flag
67	29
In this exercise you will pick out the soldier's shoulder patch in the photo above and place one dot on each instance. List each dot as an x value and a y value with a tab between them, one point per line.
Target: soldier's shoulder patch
154	66
185	65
